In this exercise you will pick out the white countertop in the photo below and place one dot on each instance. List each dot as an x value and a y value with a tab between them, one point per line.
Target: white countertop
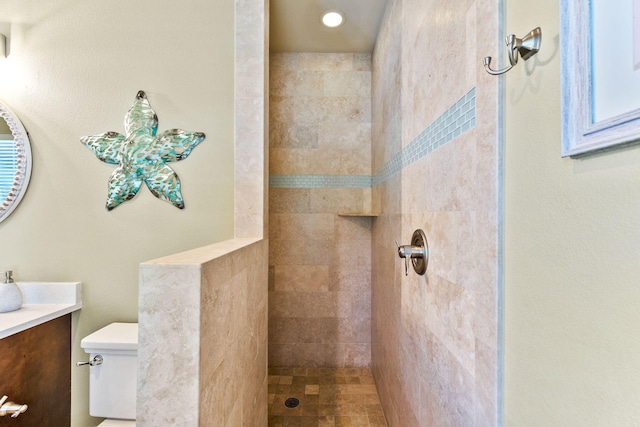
43	301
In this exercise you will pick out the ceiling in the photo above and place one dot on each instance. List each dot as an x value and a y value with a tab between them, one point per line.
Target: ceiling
295	25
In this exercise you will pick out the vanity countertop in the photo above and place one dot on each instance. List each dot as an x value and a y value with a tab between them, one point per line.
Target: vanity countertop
43	301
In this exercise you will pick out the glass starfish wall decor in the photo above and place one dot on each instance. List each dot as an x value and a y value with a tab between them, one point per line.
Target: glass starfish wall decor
142	155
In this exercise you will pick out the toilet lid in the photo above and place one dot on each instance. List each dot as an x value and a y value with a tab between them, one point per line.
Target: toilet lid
117	423
116	336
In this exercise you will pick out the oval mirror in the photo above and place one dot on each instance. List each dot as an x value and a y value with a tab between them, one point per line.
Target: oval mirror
15	161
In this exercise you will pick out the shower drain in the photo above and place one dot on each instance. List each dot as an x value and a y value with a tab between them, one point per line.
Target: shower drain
291	402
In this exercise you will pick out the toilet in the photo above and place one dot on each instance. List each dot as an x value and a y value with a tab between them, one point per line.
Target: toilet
112	383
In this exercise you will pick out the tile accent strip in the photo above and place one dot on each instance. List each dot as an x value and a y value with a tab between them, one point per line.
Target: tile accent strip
320	181
456	120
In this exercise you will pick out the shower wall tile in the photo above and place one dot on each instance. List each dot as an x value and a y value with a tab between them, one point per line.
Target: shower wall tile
323	330
354	84
301	278
314	305
338	200
452	316
432	61
353	229
292	135
486	385
442	229
348	280
345	135
355	254
307	355
362	62
319	301
444	389
281	109
320	114
386	98
435	352
161	320
302	226
322	161
357	354
290	82
234	331
334	109
283	62
289	200
299	252
327	61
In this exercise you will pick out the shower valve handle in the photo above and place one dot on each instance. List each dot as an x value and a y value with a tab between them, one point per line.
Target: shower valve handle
407	252
417	253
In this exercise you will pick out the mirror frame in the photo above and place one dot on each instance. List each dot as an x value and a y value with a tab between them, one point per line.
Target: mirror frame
580	135
23	172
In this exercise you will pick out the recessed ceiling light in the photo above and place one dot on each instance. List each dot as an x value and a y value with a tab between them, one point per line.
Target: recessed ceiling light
332	18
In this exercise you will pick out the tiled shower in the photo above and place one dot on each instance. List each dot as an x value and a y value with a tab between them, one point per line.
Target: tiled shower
364	149
320	261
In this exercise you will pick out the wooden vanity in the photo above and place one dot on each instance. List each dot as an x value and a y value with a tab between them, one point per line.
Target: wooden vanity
35	369
35	354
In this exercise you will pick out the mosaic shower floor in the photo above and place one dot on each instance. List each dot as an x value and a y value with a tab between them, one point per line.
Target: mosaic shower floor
329	397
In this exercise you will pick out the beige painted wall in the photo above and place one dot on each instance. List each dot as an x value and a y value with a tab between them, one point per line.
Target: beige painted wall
74	70
4	128
572	265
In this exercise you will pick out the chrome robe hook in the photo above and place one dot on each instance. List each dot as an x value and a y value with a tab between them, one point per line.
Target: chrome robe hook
525	47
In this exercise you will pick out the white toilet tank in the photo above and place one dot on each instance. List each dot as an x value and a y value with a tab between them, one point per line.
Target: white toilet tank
112	384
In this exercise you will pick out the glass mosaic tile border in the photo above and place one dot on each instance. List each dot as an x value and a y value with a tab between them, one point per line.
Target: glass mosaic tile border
456	120
320	181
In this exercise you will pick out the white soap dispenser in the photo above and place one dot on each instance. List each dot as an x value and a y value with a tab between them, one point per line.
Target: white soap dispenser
10	295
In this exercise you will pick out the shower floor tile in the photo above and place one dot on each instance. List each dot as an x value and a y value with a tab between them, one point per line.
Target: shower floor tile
328	397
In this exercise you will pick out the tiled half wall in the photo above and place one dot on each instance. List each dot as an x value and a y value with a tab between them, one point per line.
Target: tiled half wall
202	345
